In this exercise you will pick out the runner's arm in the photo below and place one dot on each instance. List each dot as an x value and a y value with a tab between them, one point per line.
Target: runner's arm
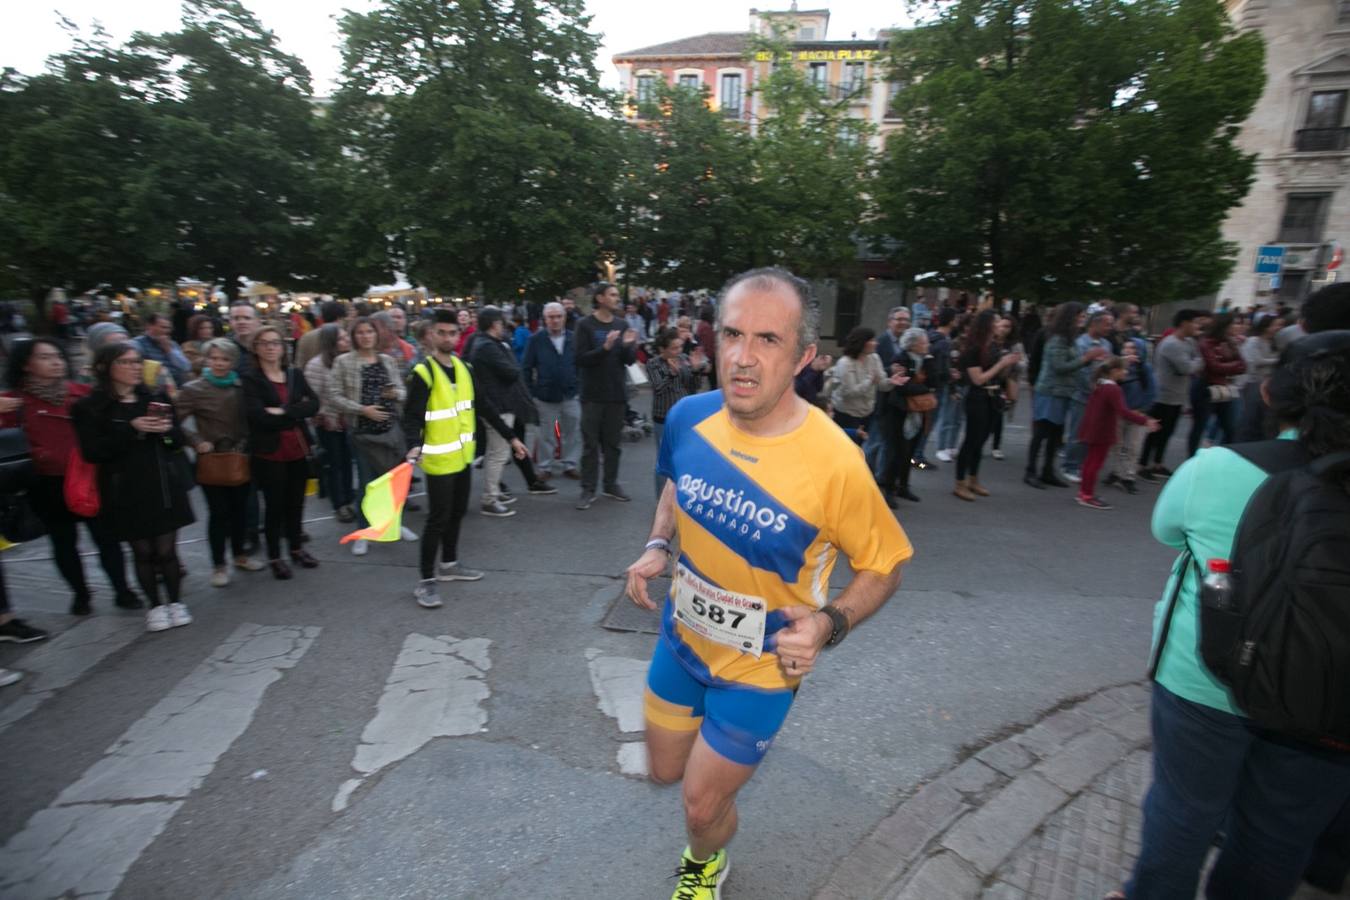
799	643
864	595
655	561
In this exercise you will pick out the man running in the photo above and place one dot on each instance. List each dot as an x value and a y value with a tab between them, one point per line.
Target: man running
763	490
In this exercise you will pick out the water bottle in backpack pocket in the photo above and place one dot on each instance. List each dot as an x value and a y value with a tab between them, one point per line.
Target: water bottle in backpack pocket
1220	619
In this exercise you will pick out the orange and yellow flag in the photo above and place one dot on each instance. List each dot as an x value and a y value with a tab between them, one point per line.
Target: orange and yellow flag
383	506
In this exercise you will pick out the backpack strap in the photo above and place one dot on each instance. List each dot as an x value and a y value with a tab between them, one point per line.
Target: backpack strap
1183	566
1273	456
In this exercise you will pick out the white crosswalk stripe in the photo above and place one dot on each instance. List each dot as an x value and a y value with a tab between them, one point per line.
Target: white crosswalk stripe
437	688
619	683
85	842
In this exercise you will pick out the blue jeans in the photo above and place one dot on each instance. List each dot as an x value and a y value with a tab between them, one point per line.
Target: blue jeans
1213	771
1074	450
953	416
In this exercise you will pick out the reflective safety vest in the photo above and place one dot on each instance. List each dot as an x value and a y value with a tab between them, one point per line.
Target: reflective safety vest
448	425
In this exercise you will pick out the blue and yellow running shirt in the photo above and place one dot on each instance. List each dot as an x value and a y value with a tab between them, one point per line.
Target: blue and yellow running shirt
765	518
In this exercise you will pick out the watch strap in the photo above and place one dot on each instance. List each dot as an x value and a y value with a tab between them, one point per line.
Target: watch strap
839	621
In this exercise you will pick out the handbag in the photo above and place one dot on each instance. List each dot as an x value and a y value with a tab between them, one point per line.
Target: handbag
921	403
18	521
1222	393
222	468
81	486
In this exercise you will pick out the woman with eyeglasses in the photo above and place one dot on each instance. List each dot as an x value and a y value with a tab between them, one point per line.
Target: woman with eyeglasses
278	400
131	433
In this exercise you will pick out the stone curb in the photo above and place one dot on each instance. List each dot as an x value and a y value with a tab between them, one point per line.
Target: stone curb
948	840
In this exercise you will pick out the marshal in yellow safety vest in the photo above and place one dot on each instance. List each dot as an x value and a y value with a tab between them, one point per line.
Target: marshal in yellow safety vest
448	426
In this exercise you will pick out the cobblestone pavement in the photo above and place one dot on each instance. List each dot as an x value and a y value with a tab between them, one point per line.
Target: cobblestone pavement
1084	849
1051	812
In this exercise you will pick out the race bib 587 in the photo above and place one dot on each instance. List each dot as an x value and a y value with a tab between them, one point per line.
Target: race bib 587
732	619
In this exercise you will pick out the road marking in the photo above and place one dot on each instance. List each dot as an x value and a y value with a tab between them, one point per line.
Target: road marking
60	662
97	827
436	689
619	683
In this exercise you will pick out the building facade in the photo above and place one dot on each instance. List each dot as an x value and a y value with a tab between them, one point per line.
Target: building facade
716	61
1300	198
728	66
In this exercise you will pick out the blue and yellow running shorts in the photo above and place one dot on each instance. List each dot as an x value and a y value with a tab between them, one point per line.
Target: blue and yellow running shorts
738	722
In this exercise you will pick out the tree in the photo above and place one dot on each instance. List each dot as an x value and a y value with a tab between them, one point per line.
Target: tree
708	199
483	122
1066	148
239	145
812	166
685	194
80	200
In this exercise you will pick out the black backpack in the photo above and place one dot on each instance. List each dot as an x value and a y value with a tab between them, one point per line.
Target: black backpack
1284	648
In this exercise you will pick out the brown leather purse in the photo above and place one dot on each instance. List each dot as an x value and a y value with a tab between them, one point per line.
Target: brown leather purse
222	468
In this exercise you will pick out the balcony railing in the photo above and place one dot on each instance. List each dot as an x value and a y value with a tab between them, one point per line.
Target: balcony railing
732	112
1314	140
854	91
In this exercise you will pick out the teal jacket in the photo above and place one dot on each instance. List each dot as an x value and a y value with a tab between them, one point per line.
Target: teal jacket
1060	364
1200	507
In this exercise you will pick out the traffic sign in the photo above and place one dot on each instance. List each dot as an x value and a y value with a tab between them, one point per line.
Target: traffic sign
1269	260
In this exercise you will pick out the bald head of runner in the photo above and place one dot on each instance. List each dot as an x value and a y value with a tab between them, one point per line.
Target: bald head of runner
765	336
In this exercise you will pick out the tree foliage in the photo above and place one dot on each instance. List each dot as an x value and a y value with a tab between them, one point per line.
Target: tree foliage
705	197
1061	148
813	165
685	194
80	197
482	123
240	144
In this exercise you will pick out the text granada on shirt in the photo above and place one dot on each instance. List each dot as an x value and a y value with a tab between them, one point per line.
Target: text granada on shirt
729	508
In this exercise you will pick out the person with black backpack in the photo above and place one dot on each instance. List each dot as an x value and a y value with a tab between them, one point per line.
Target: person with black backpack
1251	701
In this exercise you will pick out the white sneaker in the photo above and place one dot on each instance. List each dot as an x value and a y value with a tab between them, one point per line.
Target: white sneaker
998	454
360	548
249	565
157	619
220	577
944	455
426	594
407	533
179	615
9	676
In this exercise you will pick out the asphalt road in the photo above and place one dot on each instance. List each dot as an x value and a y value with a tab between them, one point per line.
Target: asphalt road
325	737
